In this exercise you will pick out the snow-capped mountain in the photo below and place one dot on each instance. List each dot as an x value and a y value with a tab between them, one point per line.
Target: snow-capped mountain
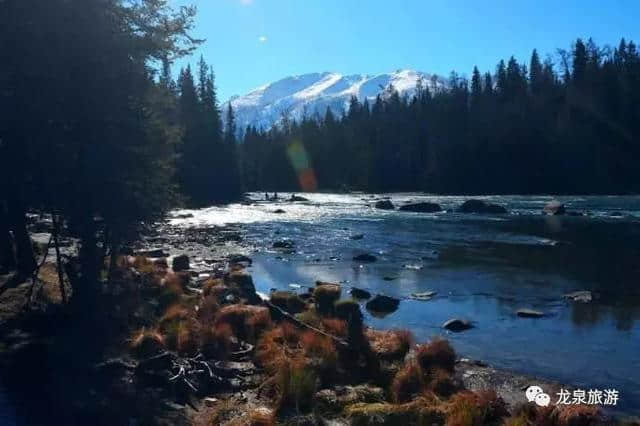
313	93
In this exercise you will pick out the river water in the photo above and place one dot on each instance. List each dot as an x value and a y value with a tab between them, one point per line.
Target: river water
483	268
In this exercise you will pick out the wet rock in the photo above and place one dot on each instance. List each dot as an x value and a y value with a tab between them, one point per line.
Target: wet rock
180	263
383	304
153	253
365	257
479	206
457	325
554	208
297	198
360	294
582	296
389	278
421	208
384	205
616	214
284	244
529	313
425	295
239	258
279	211
357	237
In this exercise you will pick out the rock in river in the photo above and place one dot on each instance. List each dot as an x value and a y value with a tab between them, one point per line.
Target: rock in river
384	205
457	325
425	295
529	313
421	208
180	263
360	294
583	296
554	208
297	198
365	257
284	244
382	303
479	206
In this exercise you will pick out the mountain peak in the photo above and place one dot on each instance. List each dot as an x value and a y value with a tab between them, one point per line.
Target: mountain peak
313	93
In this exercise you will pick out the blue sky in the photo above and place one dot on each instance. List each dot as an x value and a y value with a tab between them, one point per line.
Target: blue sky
252	42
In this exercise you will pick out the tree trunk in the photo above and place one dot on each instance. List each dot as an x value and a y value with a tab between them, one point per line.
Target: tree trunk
7	258
84	293
56	242
26	261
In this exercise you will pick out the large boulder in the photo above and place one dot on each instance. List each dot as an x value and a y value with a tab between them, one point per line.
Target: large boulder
479	206
554	208
383	304
384	205
180	263
421	208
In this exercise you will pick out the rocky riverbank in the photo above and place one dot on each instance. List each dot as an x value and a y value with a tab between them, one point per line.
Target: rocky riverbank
191	342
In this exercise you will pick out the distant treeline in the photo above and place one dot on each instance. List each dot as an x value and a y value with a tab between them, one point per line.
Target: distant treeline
569	128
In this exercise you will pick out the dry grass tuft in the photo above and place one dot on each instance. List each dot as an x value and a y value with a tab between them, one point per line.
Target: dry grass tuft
261	417
145	343
436	354
335	327
215	341
288	301
296	384
441	382
325	296
475	408
407	383
246	321
578	415
210	284
389	345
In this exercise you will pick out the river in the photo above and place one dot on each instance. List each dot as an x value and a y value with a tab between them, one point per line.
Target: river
483	268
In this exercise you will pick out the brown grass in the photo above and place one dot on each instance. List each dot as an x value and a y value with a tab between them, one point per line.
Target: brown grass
407	383
578	415
325	296
436	354
211	284
145	343
475	408
296	384
246	321
335	327
207	310
215	341
389	345
261	417
288	300
441	382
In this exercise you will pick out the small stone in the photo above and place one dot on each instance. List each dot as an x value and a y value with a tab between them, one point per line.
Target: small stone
582	296
382	303
529	313
360	294
357	237
384	205
365	257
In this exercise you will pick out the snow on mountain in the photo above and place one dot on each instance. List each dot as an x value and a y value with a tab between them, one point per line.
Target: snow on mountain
311	94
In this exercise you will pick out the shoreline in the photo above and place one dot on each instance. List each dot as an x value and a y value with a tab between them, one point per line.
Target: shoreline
221	244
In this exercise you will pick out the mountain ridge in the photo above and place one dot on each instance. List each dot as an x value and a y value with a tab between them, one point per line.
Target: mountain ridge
312	93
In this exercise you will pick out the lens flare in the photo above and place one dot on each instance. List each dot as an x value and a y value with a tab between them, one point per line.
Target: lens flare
300	161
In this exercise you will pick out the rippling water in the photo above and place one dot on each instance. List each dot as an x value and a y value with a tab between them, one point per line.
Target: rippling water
483	268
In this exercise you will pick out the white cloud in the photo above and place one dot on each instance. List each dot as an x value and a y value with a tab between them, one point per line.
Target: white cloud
262	39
